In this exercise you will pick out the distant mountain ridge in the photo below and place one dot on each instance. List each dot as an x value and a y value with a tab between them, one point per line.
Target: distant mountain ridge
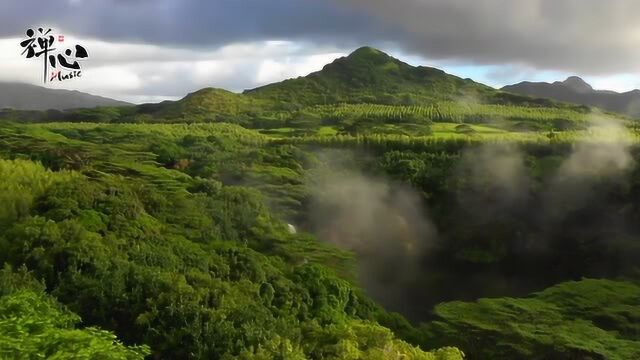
20	96
366	76
576	90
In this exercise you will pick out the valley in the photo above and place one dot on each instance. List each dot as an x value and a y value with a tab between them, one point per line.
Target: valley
436	218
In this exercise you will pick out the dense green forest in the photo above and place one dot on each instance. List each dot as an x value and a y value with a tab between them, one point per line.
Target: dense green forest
170	254
372	210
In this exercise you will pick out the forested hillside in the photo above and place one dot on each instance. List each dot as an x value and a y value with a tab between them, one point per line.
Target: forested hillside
446	221
182	263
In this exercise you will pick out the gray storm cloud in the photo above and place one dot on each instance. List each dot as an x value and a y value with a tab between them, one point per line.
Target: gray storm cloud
197	24
588	36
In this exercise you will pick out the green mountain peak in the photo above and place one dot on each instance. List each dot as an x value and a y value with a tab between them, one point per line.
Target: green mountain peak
369	75
367	52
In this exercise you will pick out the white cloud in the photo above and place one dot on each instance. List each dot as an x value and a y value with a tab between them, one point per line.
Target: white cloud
620	83
150	73
105	78
276	69
270	70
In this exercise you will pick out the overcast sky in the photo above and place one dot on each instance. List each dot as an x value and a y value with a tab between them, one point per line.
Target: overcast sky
151	50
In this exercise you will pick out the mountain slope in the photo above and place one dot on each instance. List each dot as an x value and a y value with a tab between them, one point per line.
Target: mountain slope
576	90
21	96
370	76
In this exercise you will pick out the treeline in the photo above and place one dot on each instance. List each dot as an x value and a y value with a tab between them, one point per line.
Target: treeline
216	106
458	112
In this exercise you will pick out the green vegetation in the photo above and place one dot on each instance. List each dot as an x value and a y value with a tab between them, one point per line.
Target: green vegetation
162	231
596	319
143	244
34	326
167	228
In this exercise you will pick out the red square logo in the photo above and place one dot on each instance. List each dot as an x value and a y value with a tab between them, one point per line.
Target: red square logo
60	38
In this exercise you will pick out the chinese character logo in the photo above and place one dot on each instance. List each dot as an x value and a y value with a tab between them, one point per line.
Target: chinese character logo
64	64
